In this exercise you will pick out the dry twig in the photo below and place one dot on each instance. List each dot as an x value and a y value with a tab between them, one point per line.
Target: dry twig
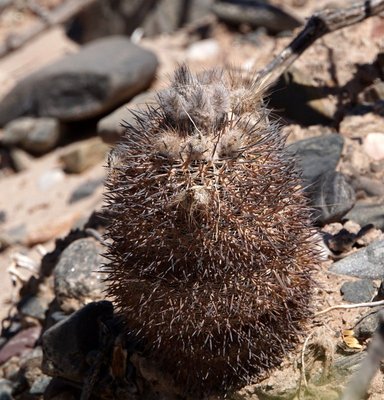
349	306
318	25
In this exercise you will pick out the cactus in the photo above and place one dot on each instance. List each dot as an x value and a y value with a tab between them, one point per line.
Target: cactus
211	244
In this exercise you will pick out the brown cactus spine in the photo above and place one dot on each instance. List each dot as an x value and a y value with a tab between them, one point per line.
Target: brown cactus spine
211	245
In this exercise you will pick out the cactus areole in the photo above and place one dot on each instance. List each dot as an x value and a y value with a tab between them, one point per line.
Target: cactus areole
211	242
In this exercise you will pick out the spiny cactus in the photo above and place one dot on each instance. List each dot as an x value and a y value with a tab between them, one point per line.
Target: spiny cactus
211	246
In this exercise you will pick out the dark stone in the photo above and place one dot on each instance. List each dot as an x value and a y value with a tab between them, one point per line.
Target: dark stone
365	214
98	78
317	156
122	17
332	197
59	389
366	327
367	263
255	14
3	216
6	389
84	190
33	306
78	275
35	135
360	291
67	343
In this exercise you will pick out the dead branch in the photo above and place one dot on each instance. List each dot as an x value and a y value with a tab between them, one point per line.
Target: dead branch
46	20
360	381
349	306
318	25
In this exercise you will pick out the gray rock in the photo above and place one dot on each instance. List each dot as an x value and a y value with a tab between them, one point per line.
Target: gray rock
365	214
21	160
84	190
367	263
80	156
39	386
33	306
67	344
317	156
6	389
332	197
255	14
111	127
153	17
14	235
99	77
360	291
366	327
78	278
3	216
35	135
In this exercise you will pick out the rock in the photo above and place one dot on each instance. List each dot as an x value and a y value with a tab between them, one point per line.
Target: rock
50	178
3	216
203	49
317	156
332	196
255	14
19	344
21	160
78	276
14	235
366	327
84	190
360	291
374	145
59	389
371	186
39	386
6	389
365	214
98	78
35	135
122	17
111	127
33	306
372	93
80	156
367	263
67	344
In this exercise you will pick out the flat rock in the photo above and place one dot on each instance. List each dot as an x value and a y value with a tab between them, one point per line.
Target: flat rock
367	263
111	127
318	155
67	343
360	291
35	135
365	214
77	275
20	344
100	76
80	156
332	197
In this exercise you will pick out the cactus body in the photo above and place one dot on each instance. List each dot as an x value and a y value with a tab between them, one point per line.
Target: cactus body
211	245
